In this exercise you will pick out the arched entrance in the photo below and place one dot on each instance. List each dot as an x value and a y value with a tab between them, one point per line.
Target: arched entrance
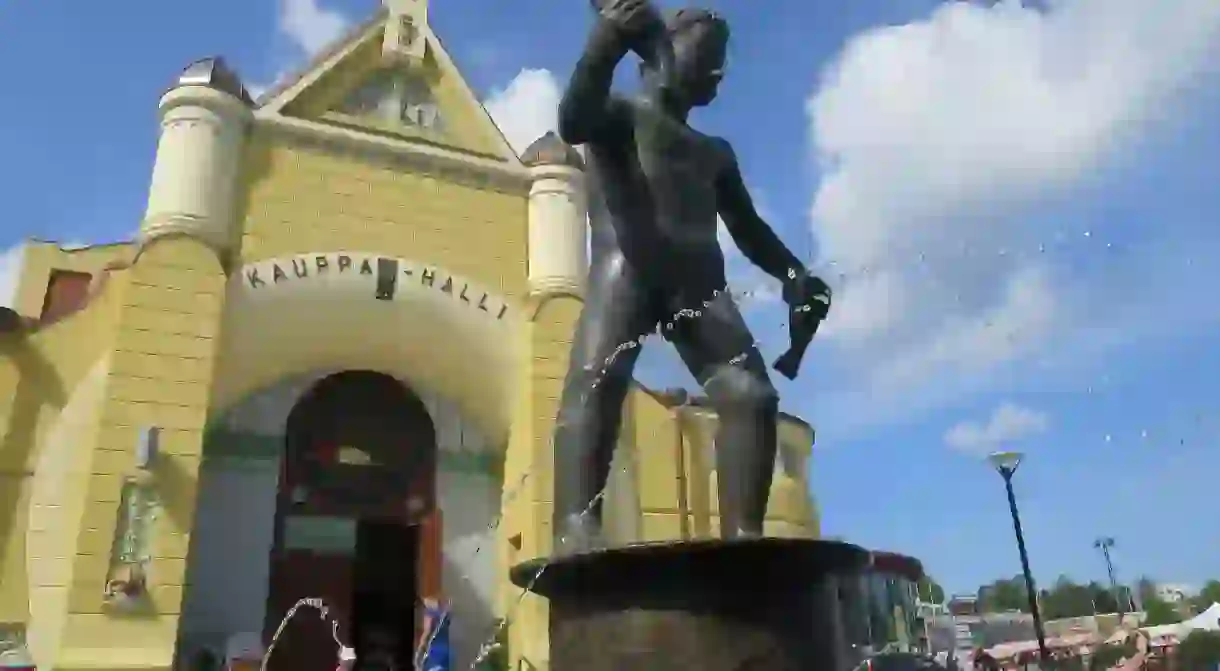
356	522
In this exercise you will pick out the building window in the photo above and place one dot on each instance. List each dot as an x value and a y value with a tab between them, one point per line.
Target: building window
67	292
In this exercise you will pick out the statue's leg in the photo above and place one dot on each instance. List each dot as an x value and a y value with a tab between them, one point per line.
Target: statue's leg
618	313
719	350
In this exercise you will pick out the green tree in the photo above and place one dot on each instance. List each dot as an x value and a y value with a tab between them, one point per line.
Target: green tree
1199	650
1103	598
1004	595
1109	655
1207	596
1158	611
1069	599
929	590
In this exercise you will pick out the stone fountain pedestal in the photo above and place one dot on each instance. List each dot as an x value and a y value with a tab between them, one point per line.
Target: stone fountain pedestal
708	605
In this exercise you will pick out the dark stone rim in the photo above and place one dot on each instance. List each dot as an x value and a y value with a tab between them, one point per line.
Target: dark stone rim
756	559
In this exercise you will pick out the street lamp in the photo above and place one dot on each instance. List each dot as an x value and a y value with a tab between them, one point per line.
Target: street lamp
1105	544
1006	463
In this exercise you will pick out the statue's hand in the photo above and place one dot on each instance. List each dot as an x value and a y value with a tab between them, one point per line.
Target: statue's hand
638	21
809	292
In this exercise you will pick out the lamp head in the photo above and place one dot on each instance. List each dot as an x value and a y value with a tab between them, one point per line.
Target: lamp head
1005	462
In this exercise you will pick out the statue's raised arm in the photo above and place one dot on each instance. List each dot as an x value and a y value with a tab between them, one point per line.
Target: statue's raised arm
586	110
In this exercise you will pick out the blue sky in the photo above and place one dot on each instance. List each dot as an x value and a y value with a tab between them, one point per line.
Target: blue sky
1015	205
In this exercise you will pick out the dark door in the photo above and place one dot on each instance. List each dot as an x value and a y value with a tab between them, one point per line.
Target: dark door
312	560
358	472
384	587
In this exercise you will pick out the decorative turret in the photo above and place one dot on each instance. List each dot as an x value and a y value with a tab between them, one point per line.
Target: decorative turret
558	217
204	118
403	41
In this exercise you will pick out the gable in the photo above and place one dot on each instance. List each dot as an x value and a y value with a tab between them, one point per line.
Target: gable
422	101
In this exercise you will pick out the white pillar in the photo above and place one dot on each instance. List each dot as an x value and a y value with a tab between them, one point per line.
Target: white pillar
195	177
558	219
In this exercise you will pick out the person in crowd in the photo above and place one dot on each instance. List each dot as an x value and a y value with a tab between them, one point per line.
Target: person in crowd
380	651
432	652
1136	661
983	661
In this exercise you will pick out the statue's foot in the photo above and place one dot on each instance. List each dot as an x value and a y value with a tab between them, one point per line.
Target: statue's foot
577	534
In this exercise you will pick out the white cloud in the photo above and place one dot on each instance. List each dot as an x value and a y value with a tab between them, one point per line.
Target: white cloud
1008	424
310	26
10	272
936	136
527	108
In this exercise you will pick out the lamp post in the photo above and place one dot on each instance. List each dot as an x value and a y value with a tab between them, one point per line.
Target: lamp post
1006	463
1105	544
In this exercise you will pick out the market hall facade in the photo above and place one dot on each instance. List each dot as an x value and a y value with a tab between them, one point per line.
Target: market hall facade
339	336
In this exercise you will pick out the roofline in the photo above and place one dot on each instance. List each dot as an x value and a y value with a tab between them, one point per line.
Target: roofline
457	66
81	248
339	44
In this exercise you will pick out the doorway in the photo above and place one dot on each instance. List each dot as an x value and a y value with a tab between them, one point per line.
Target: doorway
354	522
384	591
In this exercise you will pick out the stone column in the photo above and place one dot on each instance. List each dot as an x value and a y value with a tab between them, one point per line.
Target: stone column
558	218
194	182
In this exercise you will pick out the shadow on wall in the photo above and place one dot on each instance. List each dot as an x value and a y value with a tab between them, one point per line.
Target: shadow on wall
473	621
38	385
177	488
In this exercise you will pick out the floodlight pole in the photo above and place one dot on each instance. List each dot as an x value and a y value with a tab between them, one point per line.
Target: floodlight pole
1007	474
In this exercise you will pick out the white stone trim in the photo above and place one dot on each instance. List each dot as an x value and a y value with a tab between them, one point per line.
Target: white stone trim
412	156
445	333
558	231
553	286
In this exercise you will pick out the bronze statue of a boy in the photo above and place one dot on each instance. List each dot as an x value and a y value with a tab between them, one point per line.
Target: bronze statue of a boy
658	186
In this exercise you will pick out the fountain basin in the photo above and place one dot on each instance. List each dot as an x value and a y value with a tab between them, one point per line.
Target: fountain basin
710	605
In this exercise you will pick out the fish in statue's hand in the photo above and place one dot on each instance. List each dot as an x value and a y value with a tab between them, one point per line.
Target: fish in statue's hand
808	298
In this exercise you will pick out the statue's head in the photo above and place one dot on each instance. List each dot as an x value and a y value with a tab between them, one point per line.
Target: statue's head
700	40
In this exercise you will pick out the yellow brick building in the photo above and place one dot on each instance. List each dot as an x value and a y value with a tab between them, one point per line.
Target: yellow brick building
354	286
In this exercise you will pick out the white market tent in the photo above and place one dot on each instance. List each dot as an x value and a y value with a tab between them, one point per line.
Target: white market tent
1208	620
1165	634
